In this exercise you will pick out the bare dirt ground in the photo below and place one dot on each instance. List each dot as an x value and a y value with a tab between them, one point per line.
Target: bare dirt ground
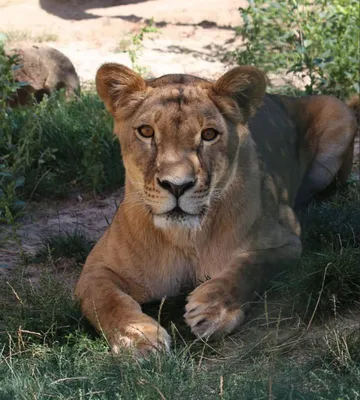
193	34
193	37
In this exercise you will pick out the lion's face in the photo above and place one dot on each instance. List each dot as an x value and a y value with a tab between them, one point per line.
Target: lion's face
178	139
176	153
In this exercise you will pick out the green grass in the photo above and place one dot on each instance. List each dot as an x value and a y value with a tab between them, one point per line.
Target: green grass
295	345
67	372
327	280
73	245
334	223
56	148
49	352
67	145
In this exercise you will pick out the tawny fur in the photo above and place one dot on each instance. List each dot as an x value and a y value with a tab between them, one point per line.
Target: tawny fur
240	229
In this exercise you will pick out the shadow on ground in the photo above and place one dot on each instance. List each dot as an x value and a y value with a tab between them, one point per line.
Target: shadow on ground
77	9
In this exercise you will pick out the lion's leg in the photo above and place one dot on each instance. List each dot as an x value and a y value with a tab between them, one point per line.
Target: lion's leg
330	168
316	180
116	314
217	306
332	138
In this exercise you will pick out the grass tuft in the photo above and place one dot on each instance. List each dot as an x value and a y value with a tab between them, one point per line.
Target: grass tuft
334	223
322	285
73	245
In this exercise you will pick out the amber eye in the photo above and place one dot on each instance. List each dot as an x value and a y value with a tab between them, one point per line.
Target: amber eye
209	134
146	131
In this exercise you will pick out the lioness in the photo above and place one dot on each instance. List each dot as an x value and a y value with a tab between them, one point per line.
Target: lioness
213	170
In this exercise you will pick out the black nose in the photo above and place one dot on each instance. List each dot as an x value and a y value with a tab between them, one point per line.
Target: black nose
176	190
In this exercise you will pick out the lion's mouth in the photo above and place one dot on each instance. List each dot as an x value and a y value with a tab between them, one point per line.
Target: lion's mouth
178	217
178	212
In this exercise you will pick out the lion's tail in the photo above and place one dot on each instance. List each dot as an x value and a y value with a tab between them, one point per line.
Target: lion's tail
354	104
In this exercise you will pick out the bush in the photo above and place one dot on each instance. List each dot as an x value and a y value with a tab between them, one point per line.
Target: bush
317	39
9	184
62	145
53	147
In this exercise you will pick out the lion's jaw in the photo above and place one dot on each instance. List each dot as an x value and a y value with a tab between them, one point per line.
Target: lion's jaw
178	219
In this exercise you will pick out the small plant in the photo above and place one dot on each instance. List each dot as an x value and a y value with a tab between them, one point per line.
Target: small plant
58	145
52	147
317	40
341	348
37	302
74	245
10	182
134	47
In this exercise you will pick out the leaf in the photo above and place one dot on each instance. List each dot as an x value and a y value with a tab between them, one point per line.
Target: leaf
3	38
318	61
300	49
17	67
6	174
22	84
19	182
19	204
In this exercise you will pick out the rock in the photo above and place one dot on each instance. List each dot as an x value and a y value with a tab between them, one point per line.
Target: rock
46	70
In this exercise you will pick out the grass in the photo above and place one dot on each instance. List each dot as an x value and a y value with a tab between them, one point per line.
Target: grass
72	245
13	36
327	281
296	345
56	148
66	372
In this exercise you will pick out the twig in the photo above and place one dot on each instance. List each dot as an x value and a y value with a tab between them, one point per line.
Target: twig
68	379
319	297
143	381
15	294
221	386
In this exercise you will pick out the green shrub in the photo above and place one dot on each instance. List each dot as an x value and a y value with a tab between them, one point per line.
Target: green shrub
63	145
316	39
9	184
53	147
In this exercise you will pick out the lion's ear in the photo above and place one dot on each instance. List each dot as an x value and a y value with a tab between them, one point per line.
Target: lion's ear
245	86
119	87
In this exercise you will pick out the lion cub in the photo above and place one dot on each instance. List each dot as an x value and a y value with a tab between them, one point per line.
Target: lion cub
213	170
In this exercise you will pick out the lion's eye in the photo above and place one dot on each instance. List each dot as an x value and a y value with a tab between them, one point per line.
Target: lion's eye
146	131
209	134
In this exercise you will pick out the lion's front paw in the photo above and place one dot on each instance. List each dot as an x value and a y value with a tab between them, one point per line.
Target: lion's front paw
211	311
143	336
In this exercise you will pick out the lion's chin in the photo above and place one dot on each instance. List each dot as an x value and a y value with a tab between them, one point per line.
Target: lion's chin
183	221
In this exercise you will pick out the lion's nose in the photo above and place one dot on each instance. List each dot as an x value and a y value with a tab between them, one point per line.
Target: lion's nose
176	189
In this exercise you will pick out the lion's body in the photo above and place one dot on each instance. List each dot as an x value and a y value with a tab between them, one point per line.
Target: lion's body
288	151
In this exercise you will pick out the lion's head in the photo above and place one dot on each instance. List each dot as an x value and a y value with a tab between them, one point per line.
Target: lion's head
179	136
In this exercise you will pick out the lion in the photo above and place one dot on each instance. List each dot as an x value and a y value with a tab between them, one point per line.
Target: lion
213	173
